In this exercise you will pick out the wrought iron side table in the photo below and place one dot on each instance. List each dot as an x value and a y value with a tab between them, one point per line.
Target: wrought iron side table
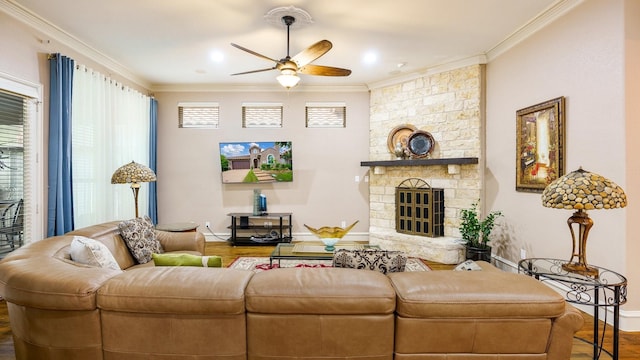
608	289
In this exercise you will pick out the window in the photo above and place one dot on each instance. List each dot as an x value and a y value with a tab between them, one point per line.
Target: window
14	132
261	115
326	115
32	181
102	141
205	115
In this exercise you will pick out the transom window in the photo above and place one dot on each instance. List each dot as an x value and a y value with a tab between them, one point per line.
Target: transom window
261	115
326	114
205	115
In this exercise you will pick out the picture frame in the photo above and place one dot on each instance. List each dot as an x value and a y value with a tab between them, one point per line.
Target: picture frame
540	145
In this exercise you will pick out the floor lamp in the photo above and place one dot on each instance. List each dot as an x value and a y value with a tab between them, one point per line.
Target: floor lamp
134	174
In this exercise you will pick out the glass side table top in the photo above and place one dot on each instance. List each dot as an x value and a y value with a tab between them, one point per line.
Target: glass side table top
312	250
613	285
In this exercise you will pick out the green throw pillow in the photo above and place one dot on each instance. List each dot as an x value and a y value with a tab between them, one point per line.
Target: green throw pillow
186	260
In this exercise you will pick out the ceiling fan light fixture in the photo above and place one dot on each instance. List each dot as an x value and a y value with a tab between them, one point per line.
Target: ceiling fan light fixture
288	78
288	66
288	81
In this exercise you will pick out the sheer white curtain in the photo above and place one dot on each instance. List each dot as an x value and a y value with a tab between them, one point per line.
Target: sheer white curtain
110	127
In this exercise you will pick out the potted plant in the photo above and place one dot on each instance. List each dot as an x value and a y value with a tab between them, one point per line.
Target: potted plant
476	232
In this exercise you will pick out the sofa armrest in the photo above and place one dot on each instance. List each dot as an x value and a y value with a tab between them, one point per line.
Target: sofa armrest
181	241
34	276
564	328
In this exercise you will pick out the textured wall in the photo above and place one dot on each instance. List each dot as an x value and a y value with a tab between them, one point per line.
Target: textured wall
450	106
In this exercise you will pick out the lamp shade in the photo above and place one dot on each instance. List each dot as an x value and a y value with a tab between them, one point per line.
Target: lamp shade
133	173
288	79
580	191
583	190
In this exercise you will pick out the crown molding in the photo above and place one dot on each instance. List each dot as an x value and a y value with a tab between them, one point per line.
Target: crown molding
448	66
27	17
24	15
549	15
255	88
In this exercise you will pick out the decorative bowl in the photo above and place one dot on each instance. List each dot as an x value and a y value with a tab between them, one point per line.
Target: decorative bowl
329	243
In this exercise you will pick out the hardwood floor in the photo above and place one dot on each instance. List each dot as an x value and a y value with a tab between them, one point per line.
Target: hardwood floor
629	341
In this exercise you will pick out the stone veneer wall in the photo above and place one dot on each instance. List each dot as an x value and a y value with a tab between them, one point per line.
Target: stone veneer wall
449	105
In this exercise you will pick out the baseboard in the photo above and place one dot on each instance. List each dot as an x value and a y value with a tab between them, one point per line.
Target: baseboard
629	320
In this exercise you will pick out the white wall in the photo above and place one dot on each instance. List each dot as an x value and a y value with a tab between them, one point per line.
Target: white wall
580	56
325	162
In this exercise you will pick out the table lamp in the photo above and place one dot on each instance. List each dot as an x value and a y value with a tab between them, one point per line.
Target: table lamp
582	190
134	174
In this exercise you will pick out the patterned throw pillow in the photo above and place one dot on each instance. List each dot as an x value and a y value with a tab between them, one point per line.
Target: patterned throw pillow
92	252
140	237
384	261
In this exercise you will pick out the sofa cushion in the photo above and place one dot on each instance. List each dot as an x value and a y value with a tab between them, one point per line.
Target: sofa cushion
384	261
140	237
91	252
474	294
186	260
313	313
176	290
320	291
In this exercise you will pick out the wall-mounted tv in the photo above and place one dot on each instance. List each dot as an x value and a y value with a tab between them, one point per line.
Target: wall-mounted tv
256	162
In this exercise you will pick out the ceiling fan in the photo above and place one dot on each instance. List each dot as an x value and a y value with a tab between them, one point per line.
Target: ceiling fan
289	67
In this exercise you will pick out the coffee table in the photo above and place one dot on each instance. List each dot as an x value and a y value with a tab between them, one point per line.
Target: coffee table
311	250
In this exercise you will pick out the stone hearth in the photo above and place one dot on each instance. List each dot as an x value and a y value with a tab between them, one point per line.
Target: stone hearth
443	249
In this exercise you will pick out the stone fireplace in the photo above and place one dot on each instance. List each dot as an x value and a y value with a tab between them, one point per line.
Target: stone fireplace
449	105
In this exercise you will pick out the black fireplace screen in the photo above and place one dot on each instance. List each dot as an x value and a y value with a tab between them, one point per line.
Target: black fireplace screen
419	209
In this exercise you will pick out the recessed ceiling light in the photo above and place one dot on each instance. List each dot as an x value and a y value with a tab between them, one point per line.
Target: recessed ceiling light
216	56
370	58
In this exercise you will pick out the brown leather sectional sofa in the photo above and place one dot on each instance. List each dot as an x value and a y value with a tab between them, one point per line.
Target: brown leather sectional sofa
59	309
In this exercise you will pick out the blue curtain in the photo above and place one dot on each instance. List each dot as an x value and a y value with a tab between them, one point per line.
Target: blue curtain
153	160
60	197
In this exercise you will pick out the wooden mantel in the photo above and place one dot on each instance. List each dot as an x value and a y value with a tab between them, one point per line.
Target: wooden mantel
422	162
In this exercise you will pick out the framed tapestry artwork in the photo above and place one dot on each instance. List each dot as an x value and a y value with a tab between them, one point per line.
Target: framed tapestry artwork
540	135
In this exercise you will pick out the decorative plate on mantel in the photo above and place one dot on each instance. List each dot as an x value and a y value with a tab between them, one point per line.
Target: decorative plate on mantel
399	133
420	143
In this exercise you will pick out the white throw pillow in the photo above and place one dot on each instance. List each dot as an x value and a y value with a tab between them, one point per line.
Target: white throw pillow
92	252
468	265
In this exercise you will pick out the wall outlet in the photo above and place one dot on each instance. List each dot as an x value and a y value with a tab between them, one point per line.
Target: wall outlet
207	224
343	224
357	178
523	254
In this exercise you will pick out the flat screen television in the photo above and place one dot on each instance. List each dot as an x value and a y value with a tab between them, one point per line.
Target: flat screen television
256	162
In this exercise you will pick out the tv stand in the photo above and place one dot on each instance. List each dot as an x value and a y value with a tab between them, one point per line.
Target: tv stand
264	229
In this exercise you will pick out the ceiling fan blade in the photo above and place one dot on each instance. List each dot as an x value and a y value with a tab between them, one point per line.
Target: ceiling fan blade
253	52
254	71
312	52
324	70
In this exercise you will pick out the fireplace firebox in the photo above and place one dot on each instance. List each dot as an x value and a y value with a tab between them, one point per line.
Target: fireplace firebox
419	208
